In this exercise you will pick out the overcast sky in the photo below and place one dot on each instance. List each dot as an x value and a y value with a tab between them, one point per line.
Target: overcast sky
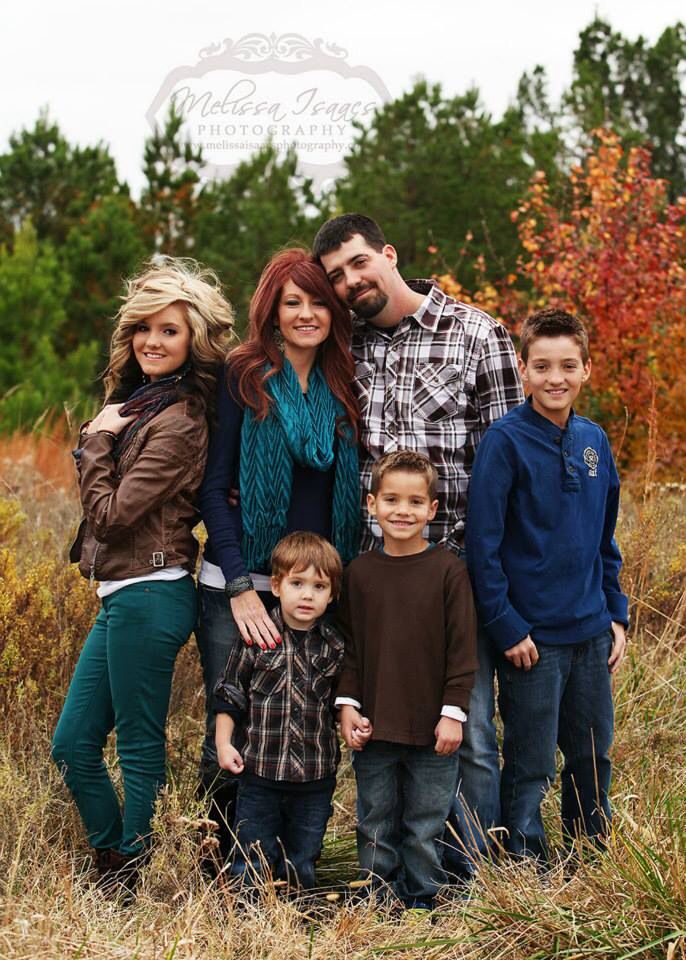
99	64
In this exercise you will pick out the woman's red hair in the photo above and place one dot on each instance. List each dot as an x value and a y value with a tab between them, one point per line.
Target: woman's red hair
247	361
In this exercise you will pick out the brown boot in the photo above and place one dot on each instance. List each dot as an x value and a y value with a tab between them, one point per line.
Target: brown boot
117	874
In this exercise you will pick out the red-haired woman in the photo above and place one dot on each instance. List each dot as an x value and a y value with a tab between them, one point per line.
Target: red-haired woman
286	436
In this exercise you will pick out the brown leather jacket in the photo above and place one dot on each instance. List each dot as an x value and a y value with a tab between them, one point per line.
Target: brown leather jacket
139	513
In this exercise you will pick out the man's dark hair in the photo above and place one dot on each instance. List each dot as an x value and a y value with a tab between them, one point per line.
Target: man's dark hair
341	229
552	322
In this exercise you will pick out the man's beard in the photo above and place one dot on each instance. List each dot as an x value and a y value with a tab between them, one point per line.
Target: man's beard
369	307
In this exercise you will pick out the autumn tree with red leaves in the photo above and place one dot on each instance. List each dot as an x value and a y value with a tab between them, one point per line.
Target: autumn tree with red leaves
615	257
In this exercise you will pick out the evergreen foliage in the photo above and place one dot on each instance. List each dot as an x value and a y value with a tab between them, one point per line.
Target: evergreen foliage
437	168
54	183
36	374
443	176
241	221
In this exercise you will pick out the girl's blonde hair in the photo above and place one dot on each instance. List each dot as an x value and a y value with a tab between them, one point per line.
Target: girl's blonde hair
168	280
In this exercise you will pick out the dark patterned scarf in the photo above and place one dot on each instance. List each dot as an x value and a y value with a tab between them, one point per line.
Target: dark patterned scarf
144	404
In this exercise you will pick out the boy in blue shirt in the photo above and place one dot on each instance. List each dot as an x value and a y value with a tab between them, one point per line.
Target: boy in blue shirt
543	504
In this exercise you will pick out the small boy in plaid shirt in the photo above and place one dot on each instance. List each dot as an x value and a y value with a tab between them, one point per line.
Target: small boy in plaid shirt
284	700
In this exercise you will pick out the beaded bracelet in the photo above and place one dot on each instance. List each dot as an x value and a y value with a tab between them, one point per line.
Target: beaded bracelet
234	588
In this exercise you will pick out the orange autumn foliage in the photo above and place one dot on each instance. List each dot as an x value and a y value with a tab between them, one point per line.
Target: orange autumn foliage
615	257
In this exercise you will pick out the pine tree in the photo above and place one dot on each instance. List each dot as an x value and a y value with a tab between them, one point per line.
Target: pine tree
34	376
168	202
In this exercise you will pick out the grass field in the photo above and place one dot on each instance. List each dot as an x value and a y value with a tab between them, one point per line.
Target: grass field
630	903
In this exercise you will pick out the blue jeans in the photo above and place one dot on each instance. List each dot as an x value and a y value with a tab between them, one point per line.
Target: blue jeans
476	807
404	794
565	701
216	634
282	827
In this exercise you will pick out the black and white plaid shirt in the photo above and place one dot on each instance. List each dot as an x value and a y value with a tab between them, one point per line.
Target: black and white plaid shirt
433	384
285	698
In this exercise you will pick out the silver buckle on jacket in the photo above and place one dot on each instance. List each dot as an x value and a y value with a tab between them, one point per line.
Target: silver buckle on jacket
158	559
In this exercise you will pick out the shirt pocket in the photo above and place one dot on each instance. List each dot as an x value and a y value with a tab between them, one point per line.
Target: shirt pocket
269	673
326	664
438	391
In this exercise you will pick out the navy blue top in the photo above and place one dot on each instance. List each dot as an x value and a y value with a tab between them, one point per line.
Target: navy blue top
311	495
540	530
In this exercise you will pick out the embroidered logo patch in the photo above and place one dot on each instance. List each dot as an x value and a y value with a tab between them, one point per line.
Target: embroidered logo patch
591	461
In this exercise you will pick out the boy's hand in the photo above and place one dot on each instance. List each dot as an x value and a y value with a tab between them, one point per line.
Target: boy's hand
448	735
362	733
229	758
523	655
355	729
618	647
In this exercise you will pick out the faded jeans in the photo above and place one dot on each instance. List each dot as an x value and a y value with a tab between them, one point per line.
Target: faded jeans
565	700
404	794
476	808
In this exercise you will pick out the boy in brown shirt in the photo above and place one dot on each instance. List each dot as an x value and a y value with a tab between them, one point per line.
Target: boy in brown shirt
410	629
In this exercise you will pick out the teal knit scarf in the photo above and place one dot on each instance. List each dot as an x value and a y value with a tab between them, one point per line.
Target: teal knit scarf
297	430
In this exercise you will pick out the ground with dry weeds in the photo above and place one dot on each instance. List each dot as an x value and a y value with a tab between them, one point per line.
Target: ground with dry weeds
630	903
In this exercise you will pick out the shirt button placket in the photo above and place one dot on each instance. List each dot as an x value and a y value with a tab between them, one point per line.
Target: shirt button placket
569	469
390	383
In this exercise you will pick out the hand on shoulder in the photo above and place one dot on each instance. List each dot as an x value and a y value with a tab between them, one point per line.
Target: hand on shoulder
108	420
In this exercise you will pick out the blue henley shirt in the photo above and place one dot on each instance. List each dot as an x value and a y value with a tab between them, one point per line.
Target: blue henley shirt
540	528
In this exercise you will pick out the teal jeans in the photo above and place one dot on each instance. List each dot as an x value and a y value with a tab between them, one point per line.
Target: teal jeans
123	681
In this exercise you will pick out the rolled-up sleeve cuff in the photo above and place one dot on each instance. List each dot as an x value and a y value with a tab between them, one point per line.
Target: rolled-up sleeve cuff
229	699
507	629
347	702
453	713
222	706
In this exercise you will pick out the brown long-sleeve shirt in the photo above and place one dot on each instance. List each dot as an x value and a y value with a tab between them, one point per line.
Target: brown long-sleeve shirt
410	641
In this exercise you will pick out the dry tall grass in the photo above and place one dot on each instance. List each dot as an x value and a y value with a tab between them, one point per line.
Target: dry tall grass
629	903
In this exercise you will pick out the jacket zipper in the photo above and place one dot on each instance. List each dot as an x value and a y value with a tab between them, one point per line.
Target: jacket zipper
91	578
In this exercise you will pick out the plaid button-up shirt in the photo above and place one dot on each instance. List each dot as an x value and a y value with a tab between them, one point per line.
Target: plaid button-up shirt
284	697
433	384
